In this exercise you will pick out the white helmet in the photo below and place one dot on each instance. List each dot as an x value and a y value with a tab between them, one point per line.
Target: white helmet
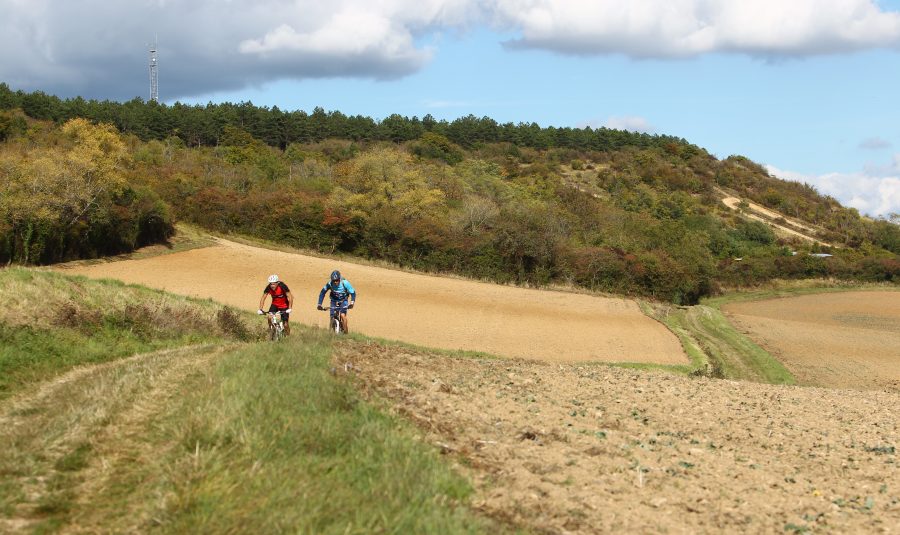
273	279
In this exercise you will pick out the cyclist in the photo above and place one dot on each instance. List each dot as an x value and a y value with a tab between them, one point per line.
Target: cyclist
341	291
282	300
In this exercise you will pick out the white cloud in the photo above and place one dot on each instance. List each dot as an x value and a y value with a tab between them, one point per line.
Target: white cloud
872	194
630	123
684	28
97	48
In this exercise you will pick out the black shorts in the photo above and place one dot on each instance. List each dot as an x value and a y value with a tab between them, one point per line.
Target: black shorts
284	315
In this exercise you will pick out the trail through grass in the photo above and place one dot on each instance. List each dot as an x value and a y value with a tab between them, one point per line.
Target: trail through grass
213	437
716	348
50	323
270	441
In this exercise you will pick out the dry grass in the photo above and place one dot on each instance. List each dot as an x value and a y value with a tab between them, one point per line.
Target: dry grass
31	295
52	322
213	439
55	435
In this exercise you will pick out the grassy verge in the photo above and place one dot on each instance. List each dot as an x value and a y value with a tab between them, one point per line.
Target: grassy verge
50	323
716	348
270	441
258	438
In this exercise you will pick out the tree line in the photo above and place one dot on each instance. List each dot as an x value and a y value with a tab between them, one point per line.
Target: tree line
204	125
64	194
644	218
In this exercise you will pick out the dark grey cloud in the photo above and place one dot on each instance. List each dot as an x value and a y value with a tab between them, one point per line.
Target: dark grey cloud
97	48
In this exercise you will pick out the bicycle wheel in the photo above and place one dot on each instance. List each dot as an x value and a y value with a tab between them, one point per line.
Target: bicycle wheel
336	324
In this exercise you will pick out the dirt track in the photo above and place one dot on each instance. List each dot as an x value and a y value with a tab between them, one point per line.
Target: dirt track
733	202
845	339
430	311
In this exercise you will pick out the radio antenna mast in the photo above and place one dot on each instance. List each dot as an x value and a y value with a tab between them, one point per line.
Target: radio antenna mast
154	76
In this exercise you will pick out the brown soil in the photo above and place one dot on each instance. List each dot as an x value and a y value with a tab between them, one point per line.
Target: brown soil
585	448
580	448
419	309
844	339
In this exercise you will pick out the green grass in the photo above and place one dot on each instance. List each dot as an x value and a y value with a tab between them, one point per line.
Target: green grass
731	354
271	442
262	440
29	355
50	323
715	347
250	438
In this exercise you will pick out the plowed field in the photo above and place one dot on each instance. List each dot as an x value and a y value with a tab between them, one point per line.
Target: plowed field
581	448
845	339
573	447
431	311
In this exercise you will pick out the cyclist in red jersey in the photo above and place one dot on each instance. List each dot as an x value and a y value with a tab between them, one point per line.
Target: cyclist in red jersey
282	300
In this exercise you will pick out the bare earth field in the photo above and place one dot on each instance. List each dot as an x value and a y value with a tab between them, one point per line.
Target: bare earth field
419	309
558	445
584	448
843	339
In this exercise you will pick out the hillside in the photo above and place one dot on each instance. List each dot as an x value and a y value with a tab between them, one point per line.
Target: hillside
223	436
600	209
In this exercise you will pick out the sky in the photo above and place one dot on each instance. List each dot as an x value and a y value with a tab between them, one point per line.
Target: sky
808	88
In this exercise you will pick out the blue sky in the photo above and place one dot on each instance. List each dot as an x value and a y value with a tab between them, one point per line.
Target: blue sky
807	87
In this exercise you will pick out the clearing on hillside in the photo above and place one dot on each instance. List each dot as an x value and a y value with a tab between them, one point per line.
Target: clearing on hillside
415	308
842	339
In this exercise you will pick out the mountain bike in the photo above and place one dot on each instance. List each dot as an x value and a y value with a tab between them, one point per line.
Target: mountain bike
334	317
276	326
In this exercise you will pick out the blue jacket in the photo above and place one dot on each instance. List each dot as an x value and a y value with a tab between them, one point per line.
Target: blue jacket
339	291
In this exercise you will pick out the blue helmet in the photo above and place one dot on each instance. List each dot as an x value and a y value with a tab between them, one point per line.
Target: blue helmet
335	276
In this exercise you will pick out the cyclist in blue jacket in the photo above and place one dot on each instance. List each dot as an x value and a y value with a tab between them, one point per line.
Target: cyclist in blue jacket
343	296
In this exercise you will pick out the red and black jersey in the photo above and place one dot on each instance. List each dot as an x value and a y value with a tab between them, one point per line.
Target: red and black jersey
279	295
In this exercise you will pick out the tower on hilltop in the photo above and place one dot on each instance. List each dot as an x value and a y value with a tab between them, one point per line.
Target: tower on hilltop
154	76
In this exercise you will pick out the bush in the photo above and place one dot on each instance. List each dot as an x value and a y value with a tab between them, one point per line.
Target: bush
231	325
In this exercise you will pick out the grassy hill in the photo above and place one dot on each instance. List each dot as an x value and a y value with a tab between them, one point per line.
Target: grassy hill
129	410
600	209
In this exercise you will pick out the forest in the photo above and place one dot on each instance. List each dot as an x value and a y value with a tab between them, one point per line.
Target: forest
601	209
